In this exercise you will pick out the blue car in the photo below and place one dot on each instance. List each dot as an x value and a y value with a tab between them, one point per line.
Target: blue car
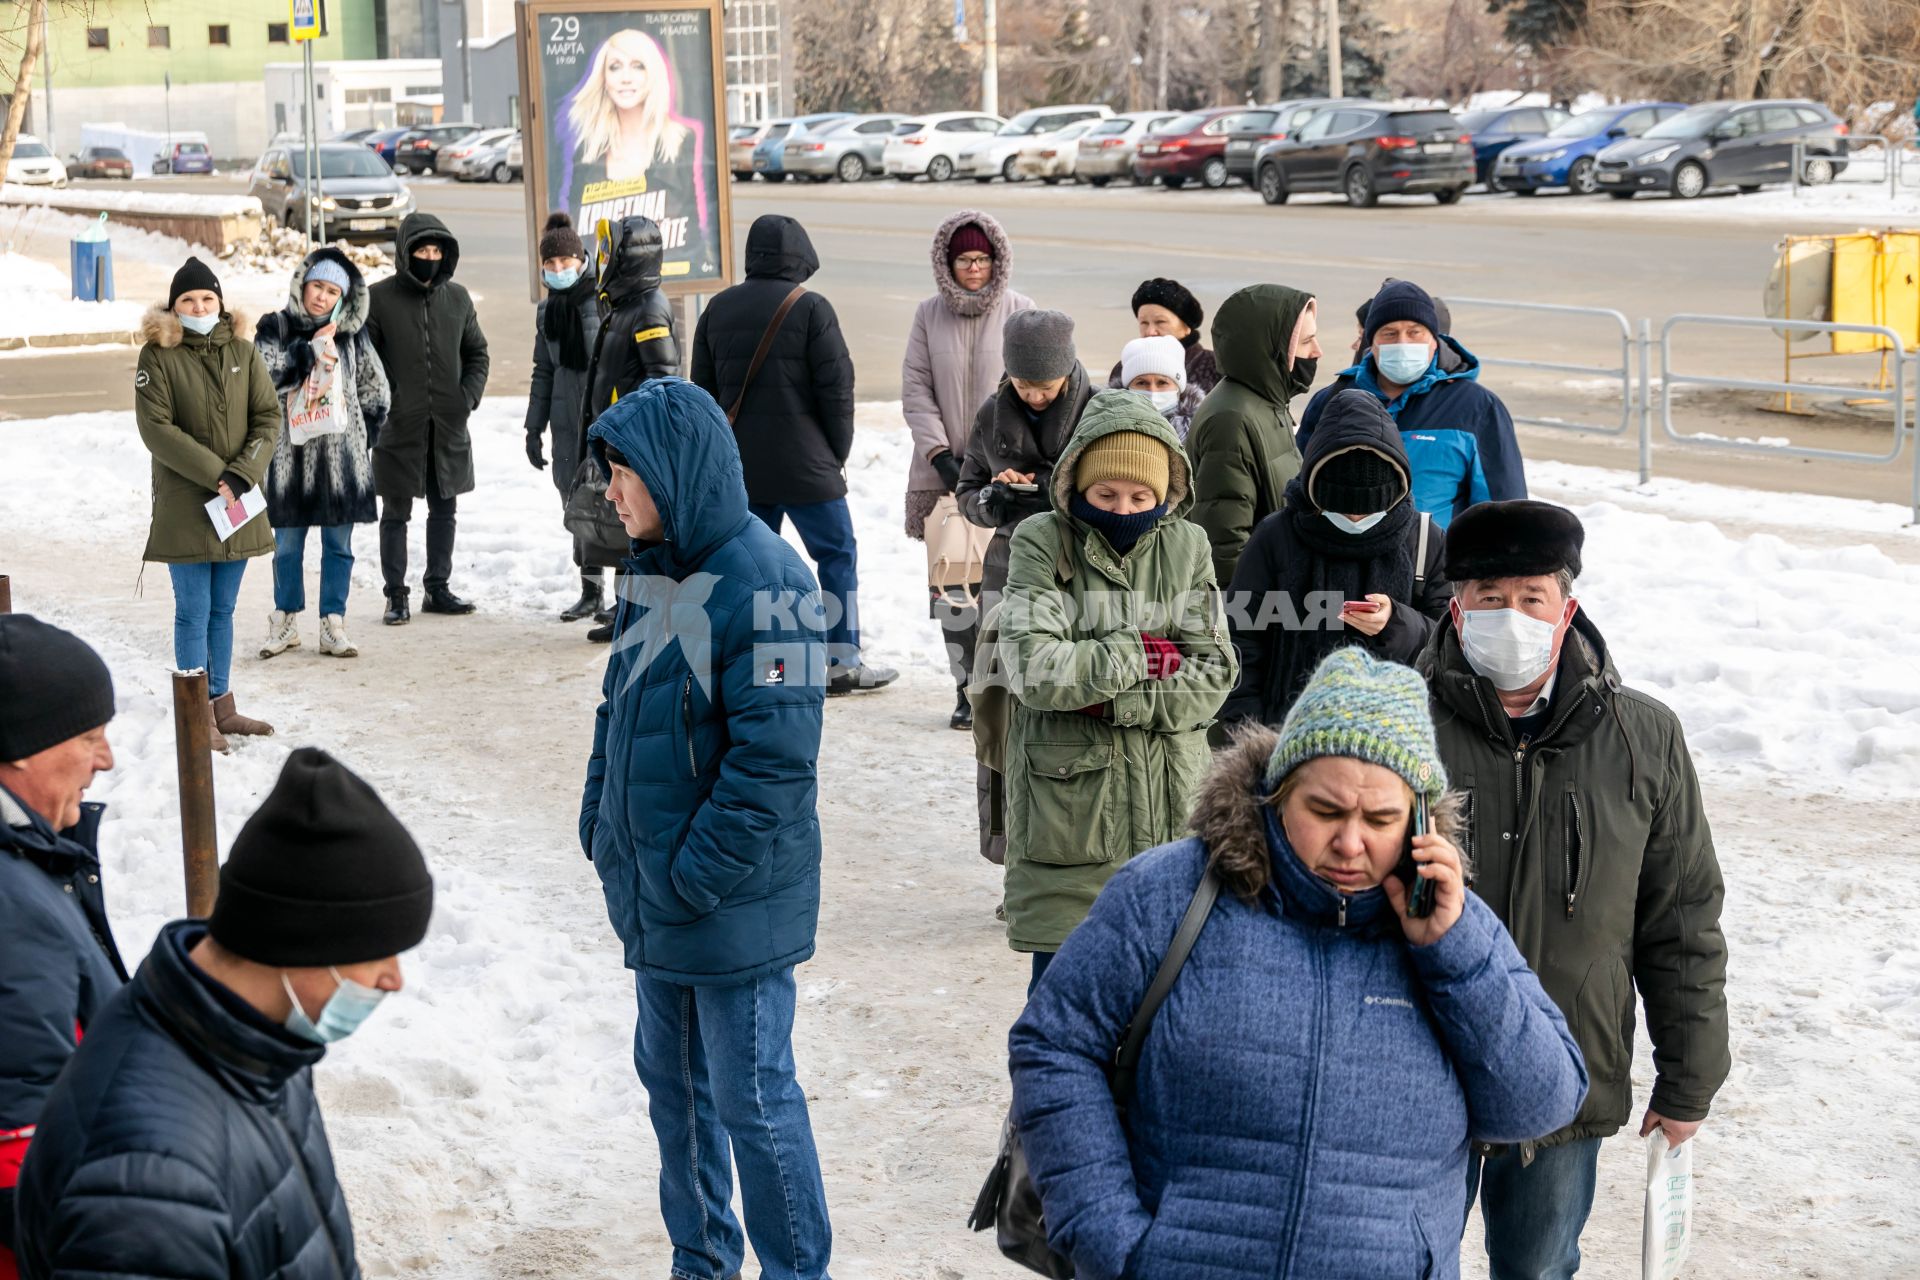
386	142
769	157
1494	131
1567	156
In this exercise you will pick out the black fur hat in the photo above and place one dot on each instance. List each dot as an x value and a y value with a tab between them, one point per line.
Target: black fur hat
1518	539
1172	295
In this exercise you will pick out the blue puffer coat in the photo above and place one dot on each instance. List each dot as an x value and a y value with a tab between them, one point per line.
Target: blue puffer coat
1308	1090
183	1142
700	811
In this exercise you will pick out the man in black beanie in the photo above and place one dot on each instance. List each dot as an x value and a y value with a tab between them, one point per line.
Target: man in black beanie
184	1139
58	963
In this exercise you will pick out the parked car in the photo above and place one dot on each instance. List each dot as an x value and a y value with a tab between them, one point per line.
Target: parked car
419	150
927	144
186	157
497	160
385	142
353	135
1366	152
1494	131
1260	125
1051	157
1108	149
850	149
1568	157
1190	149
34	165
741	140
1726	144
358	195
993	157
97	162
453	159
769	158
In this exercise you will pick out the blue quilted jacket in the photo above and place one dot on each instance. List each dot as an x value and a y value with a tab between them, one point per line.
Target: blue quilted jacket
700	808
1308	1090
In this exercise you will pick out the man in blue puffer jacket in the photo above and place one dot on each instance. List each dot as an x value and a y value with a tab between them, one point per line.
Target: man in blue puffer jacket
700	816
1458	434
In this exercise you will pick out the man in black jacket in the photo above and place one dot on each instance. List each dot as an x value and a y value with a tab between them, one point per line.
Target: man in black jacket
794	423
427	334
184	1139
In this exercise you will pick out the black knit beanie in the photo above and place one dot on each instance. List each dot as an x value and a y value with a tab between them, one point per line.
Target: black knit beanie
53	686
1401	300
1356	482
321	874
1440	311
193	274
1172	295
560	240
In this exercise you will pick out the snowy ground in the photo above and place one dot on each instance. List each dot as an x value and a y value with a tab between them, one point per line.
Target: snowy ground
487	1123
39	300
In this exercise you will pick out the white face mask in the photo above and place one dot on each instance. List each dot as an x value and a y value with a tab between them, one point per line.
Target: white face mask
1163	401
1506	646
1345	525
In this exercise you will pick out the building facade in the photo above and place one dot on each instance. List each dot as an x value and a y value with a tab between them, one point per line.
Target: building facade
759	61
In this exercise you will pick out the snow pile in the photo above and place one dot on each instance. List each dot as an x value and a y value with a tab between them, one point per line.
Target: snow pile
277	252
158	203
39	301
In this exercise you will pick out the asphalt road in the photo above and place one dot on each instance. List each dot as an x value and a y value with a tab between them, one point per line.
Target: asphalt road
1083	251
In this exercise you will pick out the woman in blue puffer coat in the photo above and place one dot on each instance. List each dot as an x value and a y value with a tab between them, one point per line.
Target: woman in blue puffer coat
1307	1092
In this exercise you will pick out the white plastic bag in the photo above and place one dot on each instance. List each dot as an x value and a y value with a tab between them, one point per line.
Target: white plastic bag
311	408
1667	1230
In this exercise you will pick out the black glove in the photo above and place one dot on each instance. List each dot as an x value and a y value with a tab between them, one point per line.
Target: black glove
996	502
949	468
235	482
538	459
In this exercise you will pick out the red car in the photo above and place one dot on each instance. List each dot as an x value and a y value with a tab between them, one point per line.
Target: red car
1192	148
101	162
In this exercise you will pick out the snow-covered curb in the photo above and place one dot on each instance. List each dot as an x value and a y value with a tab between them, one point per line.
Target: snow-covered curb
167	203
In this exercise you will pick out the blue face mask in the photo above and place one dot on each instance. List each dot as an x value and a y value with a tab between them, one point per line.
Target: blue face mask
202	325
1403	362
350	1005
561	279
1364	523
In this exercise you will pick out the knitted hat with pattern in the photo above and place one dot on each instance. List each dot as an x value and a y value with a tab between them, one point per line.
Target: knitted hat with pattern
1125	455
1361	707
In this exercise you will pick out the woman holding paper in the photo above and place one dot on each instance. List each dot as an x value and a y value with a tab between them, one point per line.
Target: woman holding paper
206	410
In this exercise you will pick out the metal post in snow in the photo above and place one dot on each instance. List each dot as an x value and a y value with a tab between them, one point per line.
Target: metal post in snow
193	755
1646	400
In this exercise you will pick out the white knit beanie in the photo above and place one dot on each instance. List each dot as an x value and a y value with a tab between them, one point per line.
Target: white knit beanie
1162	355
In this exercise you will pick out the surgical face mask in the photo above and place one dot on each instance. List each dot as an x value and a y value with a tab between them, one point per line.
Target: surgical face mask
1403	362
202	325
1345	525
561	279
1163	402
1506	646
350	1005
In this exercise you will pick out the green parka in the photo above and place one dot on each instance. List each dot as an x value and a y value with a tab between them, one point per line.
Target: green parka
1241	441
204	405
1591	844
1087	792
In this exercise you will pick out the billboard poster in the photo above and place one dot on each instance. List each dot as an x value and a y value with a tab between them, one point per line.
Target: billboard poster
625	117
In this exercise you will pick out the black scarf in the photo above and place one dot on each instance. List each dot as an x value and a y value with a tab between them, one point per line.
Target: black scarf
565	322
1121	531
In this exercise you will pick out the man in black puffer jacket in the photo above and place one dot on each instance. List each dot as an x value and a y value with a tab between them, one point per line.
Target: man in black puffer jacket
184	1140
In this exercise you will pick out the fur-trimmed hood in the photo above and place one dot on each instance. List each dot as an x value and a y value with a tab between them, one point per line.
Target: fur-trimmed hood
958	300
353	316
163	329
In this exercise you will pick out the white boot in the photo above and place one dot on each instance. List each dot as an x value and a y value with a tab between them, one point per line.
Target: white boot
283	633
333	637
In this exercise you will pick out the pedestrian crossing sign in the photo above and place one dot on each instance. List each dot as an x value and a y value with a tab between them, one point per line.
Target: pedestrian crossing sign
306	19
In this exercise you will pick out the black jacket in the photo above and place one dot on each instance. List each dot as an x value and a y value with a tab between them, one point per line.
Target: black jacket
1005	438
429	340
637	338
557	395
796	425
184	1141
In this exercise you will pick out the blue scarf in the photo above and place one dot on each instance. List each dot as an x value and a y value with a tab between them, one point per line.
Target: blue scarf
1121	531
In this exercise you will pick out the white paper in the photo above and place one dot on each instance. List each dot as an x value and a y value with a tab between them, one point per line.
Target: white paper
225	522
1667	1230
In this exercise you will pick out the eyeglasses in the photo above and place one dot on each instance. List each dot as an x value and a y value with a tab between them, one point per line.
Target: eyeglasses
973	262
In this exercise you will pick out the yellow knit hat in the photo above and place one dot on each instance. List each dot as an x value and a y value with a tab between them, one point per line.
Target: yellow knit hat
1124	455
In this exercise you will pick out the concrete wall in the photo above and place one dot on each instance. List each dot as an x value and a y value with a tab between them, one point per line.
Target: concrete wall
233	116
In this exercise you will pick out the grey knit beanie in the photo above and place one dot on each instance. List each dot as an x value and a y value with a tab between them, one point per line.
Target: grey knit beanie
1038	345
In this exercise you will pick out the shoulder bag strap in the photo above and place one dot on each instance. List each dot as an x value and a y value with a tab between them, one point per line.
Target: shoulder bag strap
766	345
1420	556
1127	1062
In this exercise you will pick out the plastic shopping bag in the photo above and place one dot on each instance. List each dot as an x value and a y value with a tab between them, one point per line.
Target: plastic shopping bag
1667	1231
311	408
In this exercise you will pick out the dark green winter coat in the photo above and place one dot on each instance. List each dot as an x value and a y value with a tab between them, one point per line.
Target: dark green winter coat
1087	792
204	405
1592	846
1241	441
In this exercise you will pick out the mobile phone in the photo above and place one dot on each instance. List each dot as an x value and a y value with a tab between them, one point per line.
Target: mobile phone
1360	606
1020	487
1420	890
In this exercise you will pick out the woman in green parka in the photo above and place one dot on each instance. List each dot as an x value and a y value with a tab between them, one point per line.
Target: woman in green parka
1117	646
207	412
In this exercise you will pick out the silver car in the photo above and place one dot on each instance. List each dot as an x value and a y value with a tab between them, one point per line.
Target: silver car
849	149
1107	150
357	195
495	161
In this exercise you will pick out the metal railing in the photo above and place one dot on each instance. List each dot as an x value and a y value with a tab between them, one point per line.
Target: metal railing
1622	372
1891	158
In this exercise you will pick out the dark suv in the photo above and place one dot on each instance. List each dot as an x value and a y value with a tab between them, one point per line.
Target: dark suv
1726	144
1261	125
1366	152
419	151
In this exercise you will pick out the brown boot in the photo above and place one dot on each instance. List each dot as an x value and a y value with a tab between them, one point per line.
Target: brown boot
227	720
216	739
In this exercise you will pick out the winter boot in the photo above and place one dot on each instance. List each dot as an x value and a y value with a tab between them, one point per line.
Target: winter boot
962	713
441	600
602	634
861	679
231	721
283	633
216	739
397	613
333	637
591	600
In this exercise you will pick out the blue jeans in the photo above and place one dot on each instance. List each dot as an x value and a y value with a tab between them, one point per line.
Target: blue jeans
203	596
289	568
1041	959
717	1063
826	528
1534	1216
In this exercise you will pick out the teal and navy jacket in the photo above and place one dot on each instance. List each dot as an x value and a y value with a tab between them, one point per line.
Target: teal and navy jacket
1459	437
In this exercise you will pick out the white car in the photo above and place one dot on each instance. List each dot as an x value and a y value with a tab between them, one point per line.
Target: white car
1052	156
455	159
993	157
927	144
34	165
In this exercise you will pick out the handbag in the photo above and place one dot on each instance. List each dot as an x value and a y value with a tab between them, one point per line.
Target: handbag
956	549
1008	1201
766	345
590	517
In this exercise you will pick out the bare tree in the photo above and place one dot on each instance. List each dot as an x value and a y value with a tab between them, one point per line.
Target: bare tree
36	23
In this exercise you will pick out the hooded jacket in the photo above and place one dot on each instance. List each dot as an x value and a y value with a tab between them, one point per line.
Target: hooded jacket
557	396
204	406
637	339
429	340
1297	554
1241	442
1458	434
795	427
1307	1092
1592	846
184	1141
953	357
700	807
1086	792
328	480
1005	438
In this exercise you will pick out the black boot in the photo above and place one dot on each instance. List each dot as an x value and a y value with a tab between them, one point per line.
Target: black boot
591	600
441	600
602	634
861	679
398	613
962	713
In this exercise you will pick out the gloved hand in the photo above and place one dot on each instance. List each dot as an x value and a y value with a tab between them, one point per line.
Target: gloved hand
235	482
949	468
537	458
996	501
1163	656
